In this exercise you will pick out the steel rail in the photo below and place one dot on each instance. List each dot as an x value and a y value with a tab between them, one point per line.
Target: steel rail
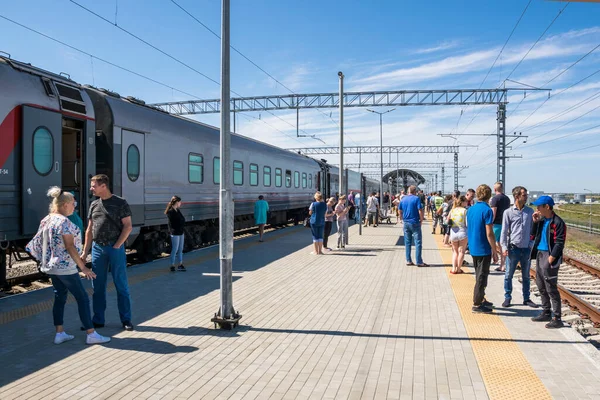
590	269
581	306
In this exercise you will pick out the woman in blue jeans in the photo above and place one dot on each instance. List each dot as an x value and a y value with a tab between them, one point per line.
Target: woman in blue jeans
57	246
176	225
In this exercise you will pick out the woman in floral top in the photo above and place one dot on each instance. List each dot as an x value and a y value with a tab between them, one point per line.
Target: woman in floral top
57	246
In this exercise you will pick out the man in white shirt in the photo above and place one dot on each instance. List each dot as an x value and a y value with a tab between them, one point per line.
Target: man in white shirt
372	206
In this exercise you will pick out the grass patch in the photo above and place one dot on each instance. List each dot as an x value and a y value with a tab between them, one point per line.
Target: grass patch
583	242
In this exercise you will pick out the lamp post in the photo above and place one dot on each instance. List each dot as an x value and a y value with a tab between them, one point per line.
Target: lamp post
590	220
381	150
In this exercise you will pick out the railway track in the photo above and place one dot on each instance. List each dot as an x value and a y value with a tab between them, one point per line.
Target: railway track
24	276
579	286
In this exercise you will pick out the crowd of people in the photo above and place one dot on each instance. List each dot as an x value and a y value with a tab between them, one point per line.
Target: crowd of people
489	228
493	230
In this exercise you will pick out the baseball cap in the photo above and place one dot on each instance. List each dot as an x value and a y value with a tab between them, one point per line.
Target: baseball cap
544	200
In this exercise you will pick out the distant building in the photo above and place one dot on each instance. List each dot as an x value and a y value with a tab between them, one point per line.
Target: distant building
534	194
580	198
558	197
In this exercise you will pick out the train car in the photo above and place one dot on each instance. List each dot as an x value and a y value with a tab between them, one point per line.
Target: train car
56	132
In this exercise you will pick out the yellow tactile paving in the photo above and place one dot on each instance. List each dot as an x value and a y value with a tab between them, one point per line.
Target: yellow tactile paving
191	259
505	370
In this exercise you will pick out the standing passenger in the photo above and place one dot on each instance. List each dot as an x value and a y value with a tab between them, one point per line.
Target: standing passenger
108	227
500	203
358	214
480	232
328	222
516	244
317	212
372	207
341	210
550	234
412	215
261	208
56	246
458	233
176	226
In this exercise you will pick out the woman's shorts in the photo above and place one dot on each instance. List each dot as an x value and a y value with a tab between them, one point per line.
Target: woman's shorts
317	232
458	235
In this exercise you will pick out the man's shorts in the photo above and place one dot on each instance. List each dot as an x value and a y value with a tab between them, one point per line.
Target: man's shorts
497	232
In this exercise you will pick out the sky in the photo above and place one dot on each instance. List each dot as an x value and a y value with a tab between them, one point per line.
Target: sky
383	45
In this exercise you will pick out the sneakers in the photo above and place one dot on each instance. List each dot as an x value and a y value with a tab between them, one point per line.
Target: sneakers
96	338
554	324
181	268
62	337
486	303
506	303
543	317
172	268
530	304
481	309
128	326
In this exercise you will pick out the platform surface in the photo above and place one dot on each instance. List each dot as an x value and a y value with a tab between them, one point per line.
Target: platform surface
357	323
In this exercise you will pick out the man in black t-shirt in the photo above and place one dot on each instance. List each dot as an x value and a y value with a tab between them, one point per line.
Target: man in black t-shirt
109	225
499	203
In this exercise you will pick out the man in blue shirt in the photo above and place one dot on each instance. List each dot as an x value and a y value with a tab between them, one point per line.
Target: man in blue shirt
480	232
411	212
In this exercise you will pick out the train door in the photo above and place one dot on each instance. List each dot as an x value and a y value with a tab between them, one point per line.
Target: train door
133	173
72	165
41	164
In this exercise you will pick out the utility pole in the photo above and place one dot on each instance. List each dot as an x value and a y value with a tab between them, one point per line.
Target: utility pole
381	150
341	184
226	318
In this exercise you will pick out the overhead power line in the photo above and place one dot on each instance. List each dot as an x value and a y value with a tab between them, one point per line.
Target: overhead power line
246	57
170	56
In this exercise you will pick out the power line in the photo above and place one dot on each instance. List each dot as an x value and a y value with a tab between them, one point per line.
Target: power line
536	42
118	66
494	63
98	58
166	54
244	56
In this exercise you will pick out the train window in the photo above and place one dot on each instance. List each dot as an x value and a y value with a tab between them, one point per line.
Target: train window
216	170
267	176
310	181
296	179
133	163
304	180
238	173
278	177
43	151
195	168
288	178
253	175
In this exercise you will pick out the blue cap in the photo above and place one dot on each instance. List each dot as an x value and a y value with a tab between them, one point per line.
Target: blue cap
544	200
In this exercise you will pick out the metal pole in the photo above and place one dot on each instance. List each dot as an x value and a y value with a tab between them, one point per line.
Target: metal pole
443	179
381	159
455	171
501	168
360	204
341	185
226	317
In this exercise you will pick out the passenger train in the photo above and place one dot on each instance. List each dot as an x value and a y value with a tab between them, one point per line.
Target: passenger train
54	131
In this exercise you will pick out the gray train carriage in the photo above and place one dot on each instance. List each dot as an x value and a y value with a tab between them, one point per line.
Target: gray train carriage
46	139
151	155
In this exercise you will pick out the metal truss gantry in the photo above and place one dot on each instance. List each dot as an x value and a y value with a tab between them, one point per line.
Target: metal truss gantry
387	98
396	165
375	149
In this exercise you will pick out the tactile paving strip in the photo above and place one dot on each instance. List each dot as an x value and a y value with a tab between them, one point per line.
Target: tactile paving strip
505	370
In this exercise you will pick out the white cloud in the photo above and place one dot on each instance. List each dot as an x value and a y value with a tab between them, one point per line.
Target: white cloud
446	45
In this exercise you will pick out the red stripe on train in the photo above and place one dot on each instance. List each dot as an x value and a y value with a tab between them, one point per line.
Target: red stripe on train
10	134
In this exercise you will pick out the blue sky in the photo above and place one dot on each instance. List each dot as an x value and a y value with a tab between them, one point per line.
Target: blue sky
384	45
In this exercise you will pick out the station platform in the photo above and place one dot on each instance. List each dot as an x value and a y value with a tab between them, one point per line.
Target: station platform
356	323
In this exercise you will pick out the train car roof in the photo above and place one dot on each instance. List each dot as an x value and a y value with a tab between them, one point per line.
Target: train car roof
130	113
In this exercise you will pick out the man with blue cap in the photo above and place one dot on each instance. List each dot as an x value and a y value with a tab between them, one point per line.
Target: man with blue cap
550	234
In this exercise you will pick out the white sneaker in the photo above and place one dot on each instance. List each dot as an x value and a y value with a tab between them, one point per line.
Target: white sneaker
62	337
96	338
